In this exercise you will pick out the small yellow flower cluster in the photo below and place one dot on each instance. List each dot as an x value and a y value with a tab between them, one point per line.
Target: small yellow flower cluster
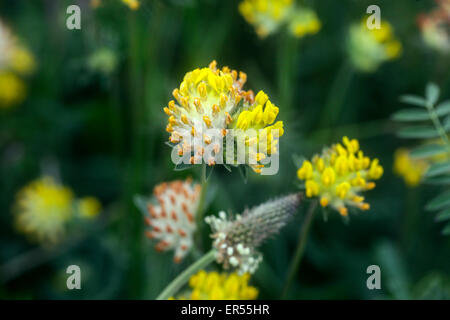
303	22
267	16
15	61
214	286
44	208
211	100
339	175
369	48
411	170
132	4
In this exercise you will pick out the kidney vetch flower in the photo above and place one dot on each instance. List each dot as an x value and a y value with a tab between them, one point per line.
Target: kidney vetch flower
219	286
44	208
339	175
210	108
369	48
267	16
171	216
15	61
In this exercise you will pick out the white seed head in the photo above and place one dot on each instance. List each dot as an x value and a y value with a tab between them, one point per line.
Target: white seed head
237	240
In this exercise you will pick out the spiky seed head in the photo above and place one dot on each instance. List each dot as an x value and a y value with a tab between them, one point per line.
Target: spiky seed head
237	238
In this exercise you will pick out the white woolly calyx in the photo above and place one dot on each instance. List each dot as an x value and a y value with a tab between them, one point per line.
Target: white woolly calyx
172	219
236	240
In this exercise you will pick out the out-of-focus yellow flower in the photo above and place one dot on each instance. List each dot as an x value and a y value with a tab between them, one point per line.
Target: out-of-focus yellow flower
304	21
210	102
132	4
15	60
43	208
411	170
215	286
12	89
267	16
103	60
339	175
435	27
369	48
89	207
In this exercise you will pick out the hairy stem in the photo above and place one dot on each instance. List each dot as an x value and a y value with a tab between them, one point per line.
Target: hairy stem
201	203
183	278
303	238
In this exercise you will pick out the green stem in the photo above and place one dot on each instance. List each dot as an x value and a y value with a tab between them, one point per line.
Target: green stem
334	103
287	67
437	124
303	238
201	203
183	278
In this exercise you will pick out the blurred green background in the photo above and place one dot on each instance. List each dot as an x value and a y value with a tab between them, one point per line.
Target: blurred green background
100	125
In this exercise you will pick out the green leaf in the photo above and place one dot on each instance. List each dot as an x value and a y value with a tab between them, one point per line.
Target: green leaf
410	115
243	170
428	150
442	180
439	202
227	167
414	100
418	132
443	215
446	230
182	166
438	169
209	170
432	93
443	108
298	160
141	202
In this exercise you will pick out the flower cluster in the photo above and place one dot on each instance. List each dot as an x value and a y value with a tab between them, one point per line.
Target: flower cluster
267	16
435	27
44	208
237	239
172	217
210	102
338	176
132	4
219	286
15	61
369	48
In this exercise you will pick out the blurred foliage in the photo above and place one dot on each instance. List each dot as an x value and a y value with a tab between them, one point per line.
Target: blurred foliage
93	114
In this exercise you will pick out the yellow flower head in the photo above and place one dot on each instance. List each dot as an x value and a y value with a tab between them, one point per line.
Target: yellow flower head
12	89
266	15
219	286
15	60
304	21
89	207
339	175
43	208
132	4
369	48
210	102
411	170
